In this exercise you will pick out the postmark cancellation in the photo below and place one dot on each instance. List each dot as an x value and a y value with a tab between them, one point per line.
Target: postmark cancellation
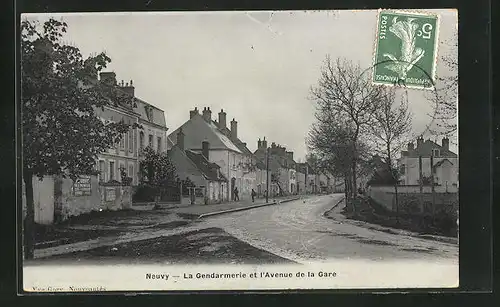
406	49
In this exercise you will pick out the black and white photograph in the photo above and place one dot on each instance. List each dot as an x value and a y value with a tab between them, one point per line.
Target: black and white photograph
239	150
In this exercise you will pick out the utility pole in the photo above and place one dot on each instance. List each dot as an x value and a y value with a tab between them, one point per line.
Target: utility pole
432	184
267	175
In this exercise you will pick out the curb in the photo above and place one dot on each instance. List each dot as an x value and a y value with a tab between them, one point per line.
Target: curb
246	208
398	231
335	206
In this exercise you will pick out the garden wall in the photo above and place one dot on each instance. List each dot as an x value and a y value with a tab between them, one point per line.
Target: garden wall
411	201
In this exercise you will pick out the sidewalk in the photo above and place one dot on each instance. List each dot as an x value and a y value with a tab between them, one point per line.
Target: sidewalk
335	214
118	227
201	210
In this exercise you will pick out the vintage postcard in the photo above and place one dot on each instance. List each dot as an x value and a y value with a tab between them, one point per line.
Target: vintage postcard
242	150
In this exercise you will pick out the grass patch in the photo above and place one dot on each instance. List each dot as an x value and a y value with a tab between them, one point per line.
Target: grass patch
369	211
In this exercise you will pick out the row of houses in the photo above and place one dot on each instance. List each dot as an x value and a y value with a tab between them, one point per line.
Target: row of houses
212	155
208	152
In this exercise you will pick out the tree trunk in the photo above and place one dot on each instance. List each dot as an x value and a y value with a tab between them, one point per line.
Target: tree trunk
346	190
29	220
397	203
354	161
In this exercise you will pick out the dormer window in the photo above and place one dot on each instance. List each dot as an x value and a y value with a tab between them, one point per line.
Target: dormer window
435	153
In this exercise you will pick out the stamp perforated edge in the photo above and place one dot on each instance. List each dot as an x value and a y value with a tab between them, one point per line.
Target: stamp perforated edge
436	45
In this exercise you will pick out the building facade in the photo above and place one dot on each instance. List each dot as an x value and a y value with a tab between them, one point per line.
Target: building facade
236	161
415	164
198	169
282	168
124	157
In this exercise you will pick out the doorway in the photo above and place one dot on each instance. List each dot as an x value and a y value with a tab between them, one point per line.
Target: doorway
233	184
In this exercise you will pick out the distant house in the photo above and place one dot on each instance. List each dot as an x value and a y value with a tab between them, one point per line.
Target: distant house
236	161
444	170
282	168
196	167
301	174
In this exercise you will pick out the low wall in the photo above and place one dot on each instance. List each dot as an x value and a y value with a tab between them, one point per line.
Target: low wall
415	188
56	198
98	197
411	201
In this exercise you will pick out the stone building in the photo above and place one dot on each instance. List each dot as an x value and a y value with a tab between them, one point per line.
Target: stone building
227	150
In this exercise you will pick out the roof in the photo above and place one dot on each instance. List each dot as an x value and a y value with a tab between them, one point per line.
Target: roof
278	156
197	130
208	169
170	143
125	101
260	164
158	116
442	162
239	143
425	150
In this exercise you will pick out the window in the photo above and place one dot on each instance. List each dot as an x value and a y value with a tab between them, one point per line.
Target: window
102	171
141	140
122	141
158	144
122	167
435	152
150	141
111	170
131	172
130	141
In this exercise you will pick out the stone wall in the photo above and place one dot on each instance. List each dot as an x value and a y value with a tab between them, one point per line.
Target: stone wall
56	199
102	197
411	201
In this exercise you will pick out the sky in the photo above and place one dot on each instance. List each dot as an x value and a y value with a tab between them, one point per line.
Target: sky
257	66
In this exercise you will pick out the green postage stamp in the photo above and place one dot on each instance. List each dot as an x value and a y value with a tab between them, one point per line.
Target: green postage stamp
406	49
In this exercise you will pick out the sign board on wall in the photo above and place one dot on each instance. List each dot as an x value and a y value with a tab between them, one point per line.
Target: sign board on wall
110	194
82	186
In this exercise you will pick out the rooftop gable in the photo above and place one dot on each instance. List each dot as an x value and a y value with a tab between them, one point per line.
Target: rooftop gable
196	130
425	150
208	169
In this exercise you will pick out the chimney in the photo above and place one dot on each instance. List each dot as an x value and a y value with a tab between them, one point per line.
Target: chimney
259	144
420	141
128	88
445	143
264	143
205	149
289	155
411	146
180	139
207	114
108	77
222	119
192	113
234	129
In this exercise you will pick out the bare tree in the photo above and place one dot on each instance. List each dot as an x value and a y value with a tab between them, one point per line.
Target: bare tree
445	97
332	150
390	131
345	94
391	126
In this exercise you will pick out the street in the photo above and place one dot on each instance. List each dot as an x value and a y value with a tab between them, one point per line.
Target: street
299	231
296	231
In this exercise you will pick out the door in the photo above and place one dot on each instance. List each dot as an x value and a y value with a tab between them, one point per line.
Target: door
43	198
233	183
